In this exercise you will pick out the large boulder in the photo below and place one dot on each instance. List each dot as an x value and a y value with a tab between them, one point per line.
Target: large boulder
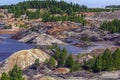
61	71
45	39
23	59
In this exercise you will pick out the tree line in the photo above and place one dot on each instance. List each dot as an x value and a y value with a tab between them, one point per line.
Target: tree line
48	17
104	62
79	19
53	6
112	26
113	6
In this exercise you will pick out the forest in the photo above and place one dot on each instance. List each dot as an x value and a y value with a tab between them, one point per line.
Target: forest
50	9
113	6
107	61
111	26
78	19
53	6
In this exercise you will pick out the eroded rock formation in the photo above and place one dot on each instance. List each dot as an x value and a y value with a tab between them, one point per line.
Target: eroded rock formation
23	59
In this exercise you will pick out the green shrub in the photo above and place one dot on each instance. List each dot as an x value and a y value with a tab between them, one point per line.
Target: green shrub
15	74
37	62
69	61
76	66
8	27
51	63
4	76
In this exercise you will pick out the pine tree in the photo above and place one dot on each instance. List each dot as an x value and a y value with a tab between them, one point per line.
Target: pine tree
51	63
76	66
97	66
116	58
57	52
105	56
37	62
62	58
109	63
4	76
16	73
89	65
69	61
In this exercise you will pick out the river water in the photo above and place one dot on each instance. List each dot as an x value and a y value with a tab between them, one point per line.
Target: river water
9	46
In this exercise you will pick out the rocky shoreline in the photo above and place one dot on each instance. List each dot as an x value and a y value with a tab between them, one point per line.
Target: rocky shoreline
81	37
